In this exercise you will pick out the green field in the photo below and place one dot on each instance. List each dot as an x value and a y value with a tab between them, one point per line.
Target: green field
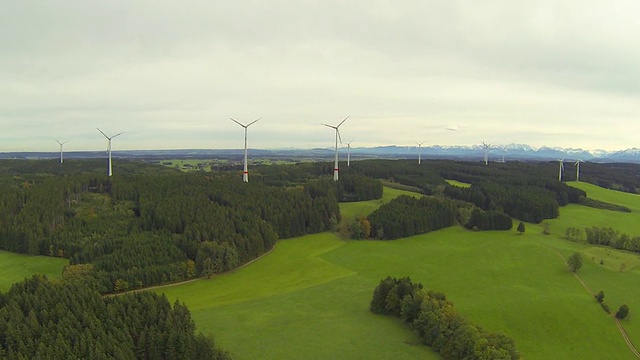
458	183
16	267
309	297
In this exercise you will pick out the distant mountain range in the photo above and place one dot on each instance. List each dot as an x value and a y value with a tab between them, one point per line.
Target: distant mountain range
471	153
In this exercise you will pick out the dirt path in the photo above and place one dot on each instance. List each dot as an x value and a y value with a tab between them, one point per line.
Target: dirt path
623	332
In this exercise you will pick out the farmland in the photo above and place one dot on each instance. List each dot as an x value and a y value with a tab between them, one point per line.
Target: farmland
309	296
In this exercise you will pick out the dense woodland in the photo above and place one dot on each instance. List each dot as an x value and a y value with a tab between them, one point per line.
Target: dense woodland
41	319
152	225
437	324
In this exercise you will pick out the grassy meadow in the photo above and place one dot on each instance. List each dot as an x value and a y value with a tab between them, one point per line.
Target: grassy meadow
458	183
16	267
309	297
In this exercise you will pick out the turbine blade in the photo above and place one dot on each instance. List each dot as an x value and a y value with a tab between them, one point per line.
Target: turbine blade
253	122
118	134
345	119
339	137
239	123
102	132
331	126
58	141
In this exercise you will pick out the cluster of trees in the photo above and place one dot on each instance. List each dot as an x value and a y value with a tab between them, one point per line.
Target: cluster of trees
530	202
573	234
41	319
406	216
358	188
489	220
141	229
622	312
607	236
437	324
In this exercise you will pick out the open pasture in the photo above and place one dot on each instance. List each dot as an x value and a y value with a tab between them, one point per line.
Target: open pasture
309	298
16	267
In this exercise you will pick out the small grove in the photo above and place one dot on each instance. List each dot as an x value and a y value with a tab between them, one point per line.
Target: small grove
437	324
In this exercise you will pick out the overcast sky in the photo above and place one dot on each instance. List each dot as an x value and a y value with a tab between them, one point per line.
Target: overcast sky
171	73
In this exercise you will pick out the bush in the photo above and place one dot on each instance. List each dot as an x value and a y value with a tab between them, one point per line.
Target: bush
622	312
605	307
599	296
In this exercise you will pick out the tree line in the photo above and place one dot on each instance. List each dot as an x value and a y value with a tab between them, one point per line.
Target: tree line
437	324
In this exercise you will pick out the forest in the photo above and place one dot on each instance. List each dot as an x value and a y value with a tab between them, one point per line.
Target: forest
153	225
42	319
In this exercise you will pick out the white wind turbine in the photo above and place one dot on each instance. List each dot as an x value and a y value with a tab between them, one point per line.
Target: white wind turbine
245	172
349	151
335	166
110	171
60	143
560	169
486	148
420	152
577	165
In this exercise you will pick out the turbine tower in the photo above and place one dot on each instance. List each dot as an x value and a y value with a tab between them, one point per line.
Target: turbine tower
486	148
420	152
245	172
560	169
349	151
335	166
110	171
61	143
577	165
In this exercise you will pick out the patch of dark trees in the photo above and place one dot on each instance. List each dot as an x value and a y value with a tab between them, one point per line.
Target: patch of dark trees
406	216
436	323
489	220
42	319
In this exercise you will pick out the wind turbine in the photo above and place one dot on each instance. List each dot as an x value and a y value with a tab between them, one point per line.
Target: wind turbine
420	152
110	172
560	169
335	166
486	148
577	165
60	143
245	173
349	151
